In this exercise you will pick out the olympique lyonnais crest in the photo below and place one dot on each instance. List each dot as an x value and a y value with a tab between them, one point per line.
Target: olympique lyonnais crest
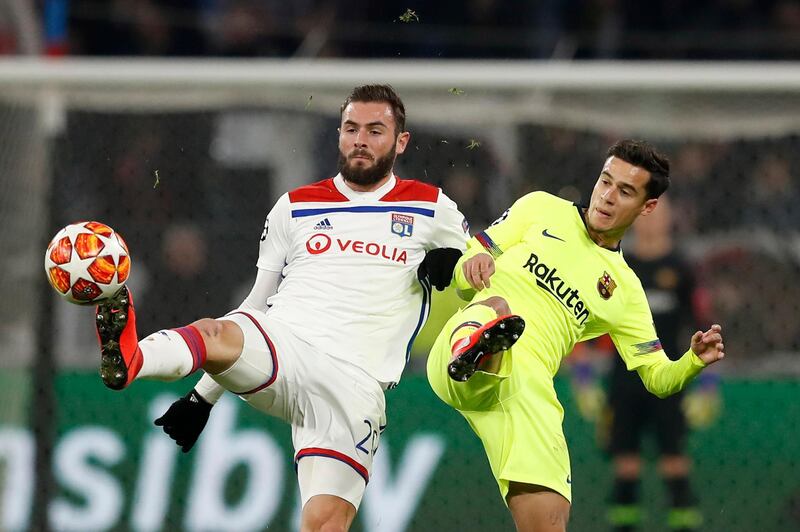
402	224
606	286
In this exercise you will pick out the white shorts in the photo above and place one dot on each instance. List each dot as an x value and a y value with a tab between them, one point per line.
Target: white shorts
337	411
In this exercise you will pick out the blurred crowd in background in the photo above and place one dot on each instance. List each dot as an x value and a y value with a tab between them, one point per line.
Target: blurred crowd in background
737	200
565	29
735	204
451	29
189	187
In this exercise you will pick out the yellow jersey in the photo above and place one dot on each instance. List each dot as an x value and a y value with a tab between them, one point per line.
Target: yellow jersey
569	289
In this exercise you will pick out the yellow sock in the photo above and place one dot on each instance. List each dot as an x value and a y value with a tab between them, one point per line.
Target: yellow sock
473	317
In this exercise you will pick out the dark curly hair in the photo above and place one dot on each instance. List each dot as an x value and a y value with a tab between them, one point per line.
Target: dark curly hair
379	93
643	155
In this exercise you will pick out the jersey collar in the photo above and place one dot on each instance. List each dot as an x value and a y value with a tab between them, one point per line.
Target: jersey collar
580	209
354	195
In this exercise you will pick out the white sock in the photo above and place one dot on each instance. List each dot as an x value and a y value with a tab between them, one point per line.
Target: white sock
208	389
165	356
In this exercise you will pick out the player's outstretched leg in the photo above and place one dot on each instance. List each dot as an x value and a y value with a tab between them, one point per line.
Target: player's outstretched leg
493	337
120	356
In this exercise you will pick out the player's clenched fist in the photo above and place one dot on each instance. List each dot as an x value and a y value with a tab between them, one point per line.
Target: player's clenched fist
185	419
478	269
708	345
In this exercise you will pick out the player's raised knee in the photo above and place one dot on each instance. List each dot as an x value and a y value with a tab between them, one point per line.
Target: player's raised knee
218	335
211	329
223	341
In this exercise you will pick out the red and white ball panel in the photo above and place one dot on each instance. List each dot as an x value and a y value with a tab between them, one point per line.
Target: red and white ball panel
86	262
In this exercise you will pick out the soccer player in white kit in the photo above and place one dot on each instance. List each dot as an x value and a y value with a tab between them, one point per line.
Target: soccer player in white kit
344	278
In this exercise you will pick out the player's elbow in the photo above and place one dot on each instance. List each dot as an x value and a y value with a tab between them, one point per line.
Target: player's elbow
659	390
662	394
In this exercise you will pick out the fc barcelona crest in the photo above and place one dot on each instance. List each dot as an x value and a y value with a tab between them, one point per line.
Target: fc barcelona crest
606	286
402	224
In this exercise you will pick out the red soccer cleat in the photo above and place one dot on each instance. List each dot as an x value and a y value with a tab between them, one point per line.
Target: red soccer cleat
493	337
120	356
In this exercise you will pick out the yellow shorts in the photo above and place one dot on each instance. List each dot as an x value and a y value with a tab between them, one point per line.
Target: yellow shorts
515	413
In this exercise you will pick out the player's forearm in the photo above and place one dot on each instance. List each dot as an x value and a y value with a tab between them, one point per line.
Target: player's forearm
462	285
464	290
209	389
266	284
665	377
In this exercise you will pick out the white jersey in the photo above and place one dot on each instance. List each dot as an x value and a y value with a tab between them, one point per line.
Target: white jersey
349	261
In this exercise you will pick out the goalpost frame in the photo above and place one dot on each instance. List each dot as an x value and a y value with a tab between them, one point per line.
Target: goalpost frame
498	74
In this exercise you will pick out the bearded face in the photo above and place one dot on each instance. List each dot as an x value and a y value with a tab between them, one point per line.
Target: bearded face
369	143
363	168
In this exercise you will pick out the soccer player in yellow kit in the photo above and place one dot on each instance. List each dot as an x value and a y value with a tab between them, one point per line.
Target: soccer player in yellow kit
559	268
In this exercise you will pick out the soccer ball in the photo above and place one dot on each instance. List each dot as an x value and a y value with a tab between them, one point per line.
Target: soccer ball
87	262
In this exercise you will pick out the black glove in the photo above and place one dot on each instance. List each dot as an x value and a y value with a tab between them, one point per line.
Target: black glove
438	266
185	419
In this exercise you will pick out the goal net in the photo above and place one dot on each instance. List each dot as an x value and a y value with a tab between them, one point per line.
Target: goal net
196	152
185	159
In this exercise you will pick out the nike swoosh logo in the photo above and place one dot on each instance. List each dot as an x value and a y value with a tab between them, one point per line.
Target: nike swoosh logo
548	235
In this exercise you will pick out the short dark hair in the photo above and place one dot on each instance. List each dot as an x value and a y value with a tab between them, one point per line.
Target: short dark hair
643	155
379	93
